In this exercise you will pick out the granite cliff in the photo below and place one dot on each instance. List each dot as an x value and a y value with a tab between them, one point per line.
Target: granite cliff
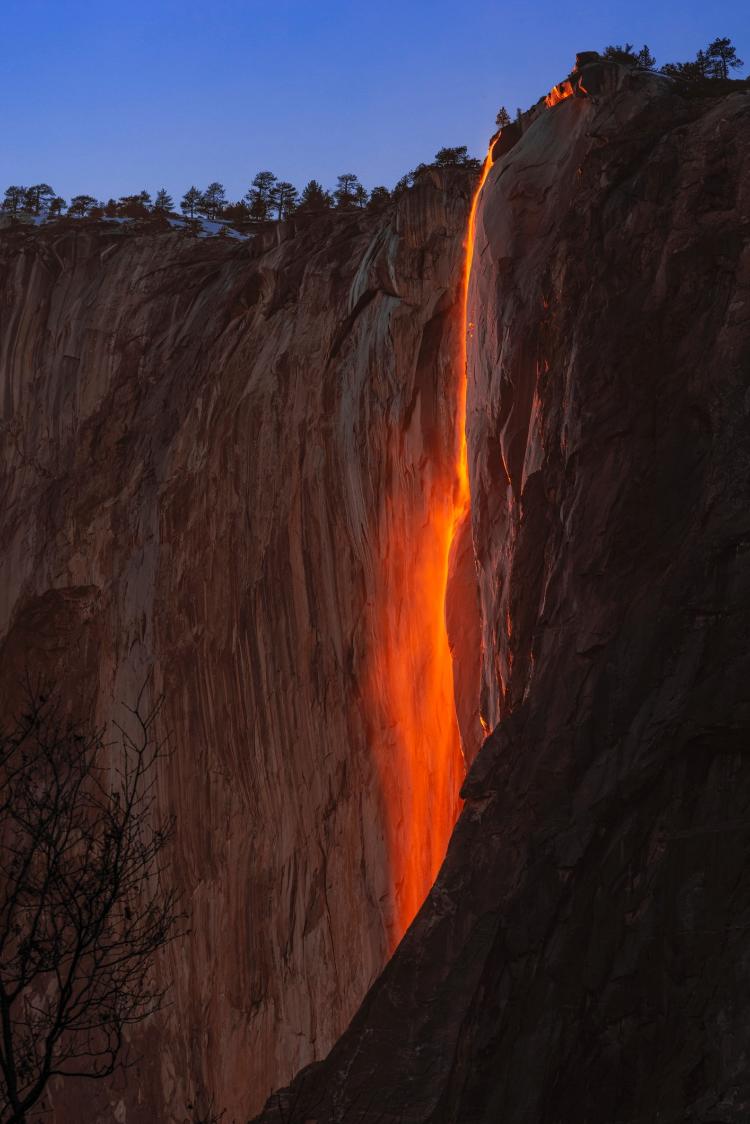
582	957
228	472
233	471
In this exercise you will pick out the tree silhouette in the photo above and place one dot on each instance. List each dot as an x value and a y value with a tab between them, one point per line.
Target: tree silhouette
456	157
690	71
133	206
721	57
360	195
81	205
83	910
379	197
56	205
445	157
259	195
14	200
701	66
345	194
190	201
619	53
163	200
37	198
503	117
238	212
212	200
283	197
314	197
645	58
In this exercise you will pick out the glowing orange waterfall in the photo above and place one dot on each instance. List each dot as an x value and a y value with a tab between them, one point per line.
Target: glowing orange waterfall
464	499
419	756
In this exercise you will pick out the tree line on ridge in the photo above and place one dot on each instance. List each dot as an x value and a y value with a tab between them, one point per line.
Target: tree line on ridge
267	198
713	64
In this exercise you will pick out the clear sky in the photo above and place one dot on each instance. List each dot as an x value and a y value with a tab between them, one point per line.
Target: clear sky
108	99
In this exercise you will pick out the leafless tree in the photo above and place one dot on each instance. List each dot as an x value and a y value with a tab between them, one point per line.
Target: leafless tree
84	907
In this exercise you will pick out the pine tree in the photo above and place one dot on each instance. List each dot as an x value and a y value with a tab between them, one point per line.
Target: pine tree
56	205
190	201
379	197
81	205
360	196
449	157
284	198
503	117
645	58
314	197
721	57
163	201
259	195
716	62
37	198
213	200
14	200
346	190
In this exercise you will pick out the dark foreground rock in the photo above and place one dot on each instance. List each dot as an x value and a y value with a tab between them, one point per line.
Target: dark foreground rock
583	957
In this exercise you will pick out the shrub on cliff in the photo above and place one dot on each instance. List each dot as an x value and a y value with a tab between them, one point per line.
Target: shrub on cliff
133	206
628	55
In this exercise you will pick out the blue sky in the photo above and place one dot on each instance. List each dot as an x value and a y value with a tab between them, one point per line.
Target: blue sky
108	100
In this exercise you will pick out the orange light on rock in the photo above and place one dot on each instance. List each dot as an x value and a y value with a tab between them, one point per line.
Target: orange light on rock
559	93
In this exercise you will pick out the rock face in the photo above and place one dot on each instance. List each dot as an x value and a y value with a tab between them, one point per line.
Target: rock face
228	471
583	954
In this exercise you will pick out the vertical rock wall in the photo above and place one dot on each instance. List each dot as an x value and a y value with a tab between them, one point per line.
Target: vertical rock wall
583	955
210	453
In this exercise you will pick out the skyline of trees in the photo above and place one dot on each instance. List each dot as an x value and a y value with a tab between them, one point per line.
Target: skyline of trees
268	197
712	64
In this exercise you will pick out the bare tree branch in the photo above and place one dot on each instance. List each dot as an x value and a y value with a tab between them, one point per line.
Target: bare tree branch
84	907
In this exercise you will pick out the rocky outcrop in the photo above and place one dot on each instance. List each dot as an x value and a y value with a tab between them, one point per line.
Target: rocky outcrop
228	471
582	956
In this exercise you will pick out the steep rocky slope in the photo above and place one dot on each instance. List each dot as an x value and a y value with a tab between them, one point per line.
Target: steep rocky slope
583	955
228	471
